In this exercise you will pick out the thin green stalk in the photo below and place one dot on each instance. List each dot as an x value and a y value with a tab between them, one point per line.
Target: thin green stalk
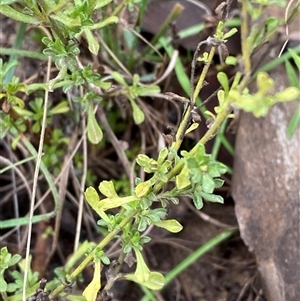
186	117
203	74
90	257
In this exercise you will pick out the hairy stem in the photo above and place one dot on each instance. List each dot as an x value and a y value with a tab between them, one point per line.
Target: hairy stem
90	257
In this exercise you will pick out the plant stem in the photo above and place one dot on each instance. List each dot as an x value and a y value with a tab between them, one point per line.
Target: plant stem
244	35
186	116
90	257
208	135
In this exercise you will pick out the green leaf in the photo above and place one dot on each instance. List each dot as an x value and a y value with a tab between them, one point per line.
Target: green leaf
146	91
218	183
16	15
182	180
95	134
223	80
192	127
231	60
287	94
208	184
264	83
91	291
14	259
93	44
65	20
110	203
119	78
170	225
197	200
107	21
212	197
230	33
138	115
107	188
143	160
162	155
3	284
142	188
142	271
62	107
93	200
155	280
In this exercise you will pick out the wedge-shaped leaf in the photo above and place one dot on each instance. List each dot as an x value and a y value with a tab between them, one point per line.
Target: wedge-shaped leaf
108	189
16	15
146	91
212	197
182	180
118	77
138	114
95	134
143	160
93	44
142	188
197	200
110	203
170	225
142	271
107	21
230	33
154	282
91	291
62	107
223	80
287	94
93	200
208	184
192	127
67	21
162	155
264	83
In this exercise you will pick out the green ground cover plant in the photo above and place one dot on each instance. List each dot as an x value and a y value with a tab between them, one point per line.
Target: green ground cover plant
174	173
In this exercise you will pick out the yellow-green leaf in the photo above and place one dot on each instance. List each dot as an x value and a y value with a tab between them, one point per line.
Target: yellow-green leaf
142	189
8	11
138	115
108	189
110	203
287	94
142	271
171	225
264	83
95	134
91	291
93	200
93	44
192	127
155	280
182	180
